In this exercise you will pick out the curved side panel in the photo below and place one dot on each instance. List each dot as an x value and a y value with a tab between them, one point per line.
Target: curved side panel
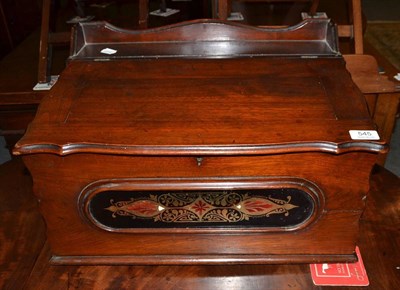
201	205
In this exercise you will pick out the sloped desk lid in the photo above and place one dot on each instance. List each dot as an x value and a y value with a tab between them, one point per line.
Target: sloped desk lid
224	103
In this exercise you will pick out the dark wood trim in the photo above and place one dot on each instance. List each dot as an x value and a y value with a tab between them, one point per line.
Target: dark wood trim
327	147
199	259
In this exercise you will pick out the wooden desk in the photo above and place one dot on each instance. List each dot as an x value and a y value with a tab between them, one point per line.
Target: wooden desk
24	263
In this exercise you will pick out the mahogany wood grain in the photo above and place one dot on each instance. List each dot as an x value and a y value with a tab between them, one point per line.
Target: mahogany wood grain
345	206
22	230
379	246
24	94
364	71
287	117
208	84
357	23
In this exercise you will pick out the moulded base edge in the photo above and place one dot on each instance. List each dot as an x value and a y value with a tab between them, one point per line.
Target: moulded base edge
200	259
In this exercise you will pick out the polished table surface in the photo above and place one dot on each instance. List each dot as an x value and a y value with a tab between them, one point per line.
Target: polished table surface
24	252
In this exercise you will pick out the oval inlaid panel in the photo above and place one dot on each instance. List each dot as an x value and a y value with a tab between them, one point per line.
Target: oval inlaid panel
123	209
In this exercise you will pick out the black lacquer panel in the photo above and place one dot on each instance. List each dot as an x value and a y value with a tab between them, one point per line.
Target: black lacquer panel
260	208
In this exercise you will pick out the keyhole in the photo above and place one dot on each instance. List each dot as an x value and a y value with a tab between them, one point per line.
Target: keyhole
199	161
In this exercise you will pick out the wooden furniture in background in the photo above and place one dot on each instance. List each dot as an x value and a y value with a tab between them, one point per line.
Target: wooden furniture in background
16	23
185	157
18	102
143	13
224	7
49	38
381	93
384	103
25	67
353	29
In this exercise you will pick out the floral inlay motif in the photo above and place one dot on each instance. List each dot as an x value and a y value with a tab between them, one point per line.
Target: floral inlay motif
201	207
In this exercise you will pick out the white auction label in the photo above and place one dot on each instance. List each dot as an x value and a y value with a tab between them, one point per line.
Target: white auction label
364	135
108	51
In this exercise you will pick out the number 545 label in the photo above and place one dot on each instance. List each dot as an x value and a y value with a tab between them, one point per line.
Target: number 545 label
364	135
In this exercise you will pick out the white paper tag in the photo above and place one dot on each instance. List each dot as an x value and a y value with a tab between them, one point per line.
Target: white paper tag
364	135
167	13
108	51
236	16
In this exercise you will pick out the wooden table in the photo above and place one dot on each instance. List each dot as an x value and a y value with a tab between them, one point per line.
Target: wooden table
24	253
